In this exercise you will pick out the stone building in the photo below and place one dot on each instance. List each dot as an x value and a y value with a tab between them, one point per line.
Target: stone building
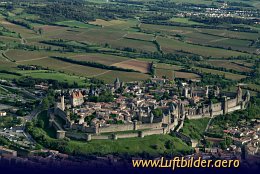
77	99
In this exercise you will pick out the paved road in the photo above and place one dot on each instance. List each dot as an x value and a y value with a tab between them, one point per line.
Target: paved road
209	123
28	118
34	113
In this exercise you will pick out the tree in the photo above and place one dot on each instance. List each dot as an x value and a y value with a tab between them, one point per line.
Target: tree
169	144
165	95
157	112
223	145
19	121
229	141
74	117
208	144
45	103
40	123
21	112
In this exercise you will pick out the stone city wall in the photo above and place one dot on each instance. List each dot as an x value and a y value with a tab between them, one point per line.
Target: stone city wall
60	133
216	113
129	127
153	132
172	126
236	108
62	114
100	137
116	128
217	107
129	135
88	129
76	136
149	126
232	103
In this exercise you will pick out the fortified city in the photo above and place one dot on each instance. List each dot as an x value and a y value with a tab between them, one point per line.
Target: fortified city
137	108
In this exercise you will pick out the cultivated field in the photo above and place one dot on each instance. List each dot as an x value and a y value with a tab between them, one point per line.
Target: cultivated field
120	36
43	59
171	30
6	39
135	44
26	56
104	23
229	65
140	36
110	76
172	45
95	36
184	21
167	66
177	74
76	24
61	77
226	75
137	65
218	41
100	58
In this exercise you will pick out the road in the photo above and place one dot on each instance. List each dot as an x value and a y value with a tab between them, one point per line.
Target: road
21	90
34	113
209	123
28	118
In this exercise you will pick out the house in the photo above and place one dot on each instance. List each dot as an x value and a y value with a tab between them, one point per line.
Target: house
2	113
42	86
241	141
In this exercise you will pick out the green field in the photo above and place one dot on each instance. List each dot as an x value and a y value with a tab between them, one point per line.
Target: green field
168	66
25	56
76	24
153	145
195	128
177	74
171	46
219	41
61	77
100	58
110	76
140	36
42	58
139	45
184	21
226	75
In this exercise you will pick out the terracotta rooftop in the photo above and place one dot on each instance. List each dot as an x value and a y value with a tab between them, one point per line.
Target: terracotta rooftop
77	94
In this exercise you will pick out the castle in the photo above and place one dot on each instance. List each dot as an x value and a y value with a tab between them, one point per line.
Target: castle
142	114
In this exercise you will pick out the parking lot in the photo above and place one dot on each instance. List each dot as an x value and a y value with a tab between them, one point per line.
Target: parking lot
17	135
